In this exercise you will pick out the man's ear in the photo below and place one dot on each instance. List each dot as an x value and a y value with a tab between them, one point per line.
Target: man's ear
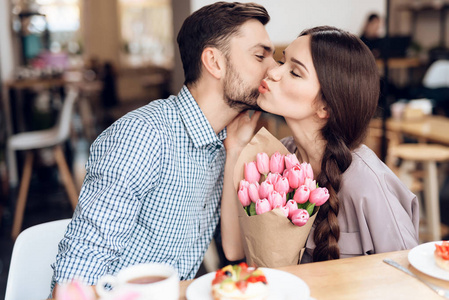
213	62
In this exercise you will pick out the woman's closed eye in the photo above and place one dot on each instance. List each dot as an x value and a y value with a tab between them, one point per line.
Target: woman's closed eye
291	72
294	74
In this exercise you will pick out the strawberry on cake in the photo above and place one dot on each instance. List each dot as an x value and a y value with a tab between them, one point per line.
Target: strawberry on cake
239	282
442	255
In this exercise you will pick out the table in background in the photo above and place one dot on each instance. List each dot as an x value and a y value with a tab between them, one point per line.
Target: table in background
400	63
430	128
363	277
15	102
401	69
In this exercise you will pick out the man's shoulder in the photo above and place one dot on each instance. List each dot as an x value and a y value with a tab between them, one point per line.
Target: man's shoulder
156	112
152	123
157	116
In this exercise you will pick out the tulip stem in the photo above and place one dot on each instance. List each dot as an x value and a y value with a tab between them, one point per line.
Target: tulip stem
310	207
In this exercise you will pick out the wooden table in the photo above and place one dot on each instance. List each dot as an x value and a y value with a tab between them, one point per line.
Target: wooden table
364	277
400	62
430	128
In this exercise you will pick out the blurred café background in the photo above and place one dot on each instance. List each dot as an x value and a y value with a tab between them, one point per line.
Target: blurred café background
121	54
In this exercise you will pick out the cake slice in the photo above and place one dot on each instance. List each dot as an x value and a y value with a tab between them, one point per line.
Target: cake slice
239	282
442	255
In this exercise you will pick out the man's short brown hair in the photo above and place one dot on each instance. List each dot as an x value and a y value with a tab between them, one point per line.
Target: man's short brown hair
212	26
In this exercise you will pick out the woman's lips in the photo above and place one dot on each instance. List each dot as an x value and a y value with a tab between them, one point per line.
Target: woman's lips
263	87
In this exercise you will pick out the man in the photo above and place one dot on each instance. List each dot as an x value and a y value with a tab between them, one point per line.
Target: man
154	178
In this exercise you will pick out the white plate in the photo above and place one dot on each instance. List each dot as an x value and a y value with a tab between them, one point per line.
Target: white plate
421	257
282	285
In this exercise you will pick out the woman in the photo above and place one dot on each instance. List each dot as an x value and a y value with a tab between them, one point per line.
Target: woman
371	34
327	88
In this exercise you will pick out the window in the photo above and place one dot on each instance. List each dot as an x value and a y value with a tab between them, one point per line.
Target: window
63	18
146	32
49	25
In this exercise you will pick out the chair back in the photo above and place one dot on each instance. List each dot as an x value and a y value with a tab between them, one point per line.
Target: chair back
437	76
65	115
34	251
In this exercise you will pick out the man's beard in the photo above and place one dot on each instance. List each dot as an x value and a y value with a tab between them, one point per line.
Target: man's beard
237	94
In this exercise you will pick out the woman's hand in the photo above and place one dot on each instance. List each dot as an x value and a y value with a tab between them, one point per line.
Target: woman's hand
240	131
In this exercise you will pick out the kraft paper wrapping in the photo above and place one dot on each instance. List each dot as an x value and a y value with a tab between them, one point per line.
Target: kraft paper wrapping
269	240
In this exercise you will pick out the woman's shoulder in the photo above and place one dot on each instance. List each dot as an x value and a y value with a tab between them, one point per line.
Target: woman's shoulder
368	176
365	165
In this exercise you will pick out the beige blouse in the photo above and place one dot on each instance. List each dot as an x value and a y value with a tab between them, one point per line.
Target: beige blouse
377	212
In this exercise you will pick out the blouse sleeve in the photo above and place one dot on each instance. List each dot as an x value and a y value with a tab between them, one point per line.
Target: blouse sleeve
379	206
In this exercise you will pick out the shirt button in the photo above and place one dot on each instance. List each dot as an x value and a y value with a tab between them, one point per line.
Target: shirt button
204	206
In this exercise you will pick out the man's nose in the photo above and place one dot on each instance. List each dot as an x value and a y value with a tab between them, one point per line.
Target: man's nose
272	63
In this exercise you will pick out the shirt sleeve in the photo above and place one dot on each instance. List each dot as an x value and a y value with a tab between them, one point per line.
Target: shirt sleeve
122	168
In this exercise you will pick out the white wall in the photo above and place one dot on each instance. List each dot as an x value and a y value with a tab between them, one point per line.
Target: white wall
104	41
290	17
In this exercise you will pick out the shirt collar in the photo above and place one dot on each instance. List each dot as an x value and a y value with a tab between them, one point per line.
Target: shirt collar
196	123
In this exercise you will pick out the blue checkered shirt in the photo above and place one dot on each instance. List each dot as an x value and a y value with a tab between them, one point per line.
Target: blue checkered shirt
151	194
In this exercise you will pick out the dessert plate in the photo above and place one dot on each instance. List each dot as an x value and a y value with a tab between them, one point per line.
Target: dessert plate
281	285
421	257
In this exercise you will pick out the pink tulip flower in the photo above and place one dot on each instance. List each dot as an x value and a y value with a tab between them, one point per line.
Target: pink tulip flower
243	196
251	172
74	291
302	194
127	295
319	196
265	189
296	176
273	178
290	161
277	163
311	184
282	186
308	171
262	206
285	210
243	182
277	199
300	217
263	163
292	206
253	191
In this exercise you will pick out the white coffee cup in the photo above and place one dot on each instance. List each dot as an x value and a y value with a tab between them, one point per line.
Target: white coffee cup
152	281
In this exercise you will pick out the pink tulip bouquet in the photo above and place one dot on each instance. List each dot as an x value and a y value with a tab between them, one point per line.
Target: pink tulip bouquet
280	181
279	202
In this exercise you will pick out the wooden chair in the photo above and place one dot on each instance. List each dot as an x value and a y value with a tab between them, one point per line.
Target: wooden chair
33	140
374	141
429	155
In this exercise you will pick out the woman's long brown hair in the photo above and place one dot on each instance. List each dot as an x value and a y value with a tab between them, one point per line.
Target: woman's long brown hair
349	81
